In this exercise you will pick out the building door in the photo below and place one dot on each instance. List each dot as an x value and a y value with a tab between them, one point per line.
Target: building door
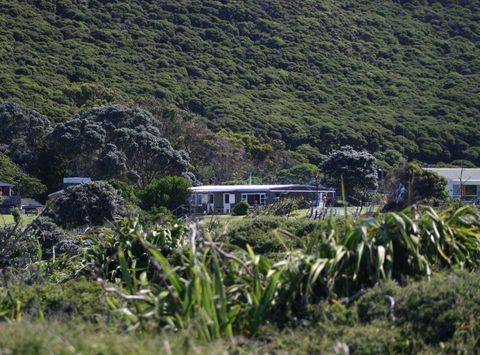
211	204
228	202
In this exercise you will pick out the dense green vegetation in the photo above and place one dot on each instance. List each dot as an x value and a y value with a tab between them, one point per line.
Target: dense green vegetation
150	97
384	285
303	77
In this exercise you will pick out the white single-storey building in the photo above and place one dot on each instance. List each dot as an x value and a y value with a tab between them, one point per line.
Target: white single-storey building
463	183
221	199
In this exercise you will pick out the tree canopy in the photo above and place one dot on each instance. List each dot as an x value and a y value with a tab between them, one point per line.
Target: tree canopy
357	170
22	131
300	174
118	142
392	75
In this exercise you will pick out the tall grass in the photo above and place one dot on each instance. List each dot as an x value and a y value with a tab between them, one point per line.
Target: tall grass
226	291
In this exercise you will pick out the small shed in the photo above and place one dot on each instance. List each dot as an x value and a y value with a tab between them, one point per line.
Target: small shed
31	206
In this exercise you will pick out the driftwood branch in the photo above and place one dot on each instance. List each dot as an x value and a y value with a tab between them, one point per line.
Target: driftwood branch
391	307
349	300
128	297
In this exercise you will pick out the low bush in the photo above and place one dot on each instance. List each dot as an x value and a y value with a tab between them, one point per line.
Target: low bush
17	248
266	235
48	235
79	298
444	308
170	192
373	305
91	204
241	208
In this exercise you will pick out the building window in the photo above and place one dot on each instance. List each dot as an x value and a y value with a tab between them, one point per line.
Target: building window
227	198
469	190
211	198
262	199
255	199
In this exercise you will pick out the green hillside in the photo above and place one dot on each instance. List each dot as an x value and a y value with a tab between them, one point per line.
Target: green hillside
401	75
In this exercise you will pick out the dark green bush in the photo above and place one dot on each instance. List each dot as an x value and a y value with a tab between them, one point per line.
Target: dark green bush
17	248
266	234
79	298
375	338
438	310
445	309
91	204
241	208
373	306
48	235
170	192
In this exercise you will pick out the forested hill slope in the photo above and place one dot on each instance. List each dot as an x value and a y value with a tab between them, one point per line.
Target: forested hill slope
400	75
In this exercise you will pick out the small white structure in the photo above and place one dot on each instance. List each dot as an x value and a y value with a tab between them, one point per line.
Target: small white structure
72	181
68	182
463	183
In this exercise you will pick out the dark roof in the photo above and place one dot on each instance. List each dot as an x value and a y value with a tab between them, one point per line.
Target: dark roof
31	203
3	184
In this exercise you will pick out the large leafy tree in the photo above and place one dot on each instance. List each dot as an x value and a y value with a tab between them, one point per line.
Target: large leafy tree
358	169
22	131
118	142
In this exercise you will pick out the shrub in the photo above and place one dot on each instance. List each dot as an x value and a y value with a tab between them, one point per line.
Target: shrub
17	248
444	309
90	204
265	235
375	338
127	191
373	306
439	309
25	185
74	298
48	235
412	184
170	192
241	208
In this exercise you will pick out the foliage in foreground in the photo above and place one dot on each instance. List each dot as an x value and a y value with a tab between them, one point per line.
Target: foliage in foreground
424	321
162	279
231	291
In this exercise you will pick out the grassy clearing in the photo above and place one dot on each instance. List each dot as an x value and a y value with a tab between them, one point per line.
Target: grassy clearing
7	219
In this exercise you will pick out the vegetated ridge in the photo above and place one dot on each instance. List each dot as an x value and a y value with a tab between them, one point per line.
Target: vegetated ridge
397	75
